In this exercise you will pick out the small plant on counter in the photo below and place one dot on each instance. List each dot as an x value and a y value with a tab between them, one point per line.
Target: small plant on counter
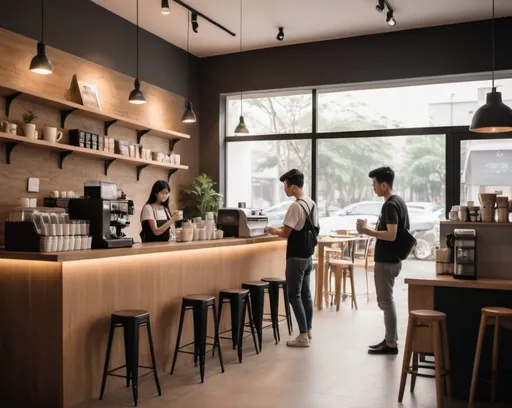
29	116
200	197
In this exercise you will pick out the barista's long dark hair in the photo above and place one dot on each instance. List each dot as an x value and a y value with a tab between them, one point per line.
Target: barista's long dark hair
157	187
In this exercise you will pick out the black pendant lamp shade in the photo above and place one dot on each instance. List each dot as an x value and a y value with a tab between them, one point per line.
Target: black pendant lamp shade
136	96
189	116
40	64
494	116
241	128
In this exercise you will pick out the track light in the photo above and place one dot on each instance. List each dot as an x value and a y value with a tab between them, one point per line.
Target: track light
380	6
280	34
390	19
195	24
165	7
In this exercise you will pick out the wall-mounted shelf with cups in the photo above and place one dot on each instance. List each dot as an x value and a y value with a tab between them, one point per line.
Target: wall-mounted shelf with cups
64	150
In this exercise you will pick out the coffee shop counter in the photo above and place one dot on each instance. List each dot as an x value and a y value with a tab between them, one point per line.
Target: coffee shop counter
56	308
462	301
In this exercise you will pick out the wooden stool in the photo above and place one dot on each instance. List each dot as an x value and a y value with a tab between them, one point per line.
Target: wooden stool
343	268
490	316
437	321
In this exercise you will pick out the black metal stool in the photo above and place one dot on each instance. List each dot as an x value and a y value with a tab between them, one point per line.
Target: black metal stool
273	291
131	321
257	290
240	301
199	304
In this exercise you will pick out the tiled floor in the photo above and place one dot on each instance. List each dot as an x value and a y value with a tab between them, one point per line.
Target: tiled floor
334	372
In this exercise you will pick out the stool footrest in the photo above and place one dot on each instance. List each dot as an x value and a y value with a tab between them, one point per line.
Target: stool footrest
411	370
151	369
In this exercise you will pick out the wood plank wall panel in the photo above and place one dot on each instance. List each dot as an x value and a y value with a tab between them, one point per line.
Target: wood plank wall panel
92	290
31	332
163	109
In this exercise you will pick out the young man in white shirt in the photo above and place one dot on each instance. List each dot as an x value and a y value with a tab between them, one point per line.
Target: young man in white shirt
299	223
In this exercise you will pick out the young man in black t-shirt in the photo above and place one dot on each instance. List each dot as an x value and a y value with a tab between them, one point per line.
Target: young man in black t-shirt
393	220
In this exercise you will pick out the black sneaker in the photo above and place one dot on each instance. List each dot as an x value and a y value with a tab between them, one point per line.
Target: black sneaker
376	346
384	349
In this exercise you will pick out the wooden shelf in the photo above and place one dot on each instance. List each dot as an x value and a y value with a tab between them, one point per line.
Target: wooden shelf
66	108
65	150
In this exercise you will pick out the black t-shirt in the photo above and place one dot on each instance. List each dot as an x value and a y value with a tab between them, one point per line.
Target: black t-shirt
394	211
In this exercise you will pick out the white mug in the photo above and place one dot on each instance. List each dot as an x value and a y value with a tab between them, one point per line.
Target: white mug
29	130
33	202
51	134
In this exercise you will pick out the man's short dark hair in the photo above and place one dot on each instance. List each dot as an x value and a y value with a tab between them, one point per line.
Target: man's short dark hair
383	175
293	177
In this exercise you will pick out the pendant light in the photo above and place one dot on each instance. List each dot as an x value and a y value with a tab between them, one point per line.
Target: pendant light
136	96
40	64
189	116
241	128
494	116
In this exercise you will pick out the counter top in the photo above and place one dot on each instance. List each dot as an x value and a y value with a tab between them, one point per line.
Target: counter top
449	281
137	249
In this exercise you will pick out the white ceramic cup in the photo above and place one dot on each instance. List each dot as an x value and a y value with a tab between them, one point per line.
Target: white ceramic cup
60	244
29	130
83	244
33	202
54	244
64	194
78	242
51	134
177	159
65	243
89	242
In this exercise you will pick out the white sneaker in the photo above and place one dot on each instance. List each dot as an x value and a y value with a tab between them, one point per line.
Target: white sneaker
310	336
300	341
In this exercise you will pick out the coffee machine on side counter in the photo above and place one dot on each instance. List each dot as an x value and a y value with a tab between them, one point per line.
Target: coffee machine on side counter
464	253
241	222
107	214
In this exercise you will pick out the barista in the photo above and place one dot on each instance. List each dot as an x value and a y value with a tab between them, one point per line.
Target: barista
155	216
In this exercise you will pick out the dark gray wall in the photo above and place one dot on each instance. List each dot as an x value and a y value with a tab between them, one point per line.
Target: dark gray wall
83	28
445	50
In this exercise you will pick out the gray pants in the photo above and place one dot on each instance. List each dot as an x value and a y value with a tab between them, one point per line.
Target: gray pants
298	274
385	274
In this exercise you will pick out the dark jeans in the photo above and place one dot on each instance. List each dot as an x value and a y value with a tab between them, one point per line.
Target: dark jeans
298	276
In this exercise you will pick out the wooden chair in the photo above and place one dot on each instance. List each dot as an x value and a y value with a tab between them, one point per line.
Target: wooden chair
343	268
437	321
490	316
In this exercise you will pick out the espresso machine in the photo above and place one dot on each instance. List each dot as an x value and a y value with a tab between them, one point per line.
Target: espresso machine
107	215
241	222
464	254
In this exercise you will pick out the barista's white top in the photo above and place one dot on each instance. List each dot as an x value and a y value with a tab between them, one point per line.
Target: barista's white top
151	213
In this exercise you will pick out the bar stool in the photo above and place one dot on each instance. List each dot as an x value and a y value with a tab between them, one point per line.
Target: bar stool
273	291
130	321
199	304
257	294
240	302
490	316
437	322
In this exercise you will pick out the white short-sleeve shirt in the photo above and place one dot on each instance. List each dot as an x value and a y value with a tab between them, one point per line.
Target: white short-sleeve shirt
295	216
151	213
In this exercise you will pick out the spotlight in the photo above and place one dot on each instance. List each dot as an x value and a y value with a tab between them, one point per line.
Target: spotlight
280	34
380	6
165	7
193	21
390	19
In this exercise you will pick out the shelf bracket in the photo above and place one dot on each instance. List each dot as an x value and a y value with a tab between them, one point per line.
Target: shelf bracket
171	172
8	100
141	133
8	149
107	165
108	124
62	156
139	169
64	114
172	143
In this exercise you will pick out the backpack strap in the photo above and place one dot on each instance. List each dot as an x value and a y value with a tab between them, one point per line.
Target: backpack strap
308	215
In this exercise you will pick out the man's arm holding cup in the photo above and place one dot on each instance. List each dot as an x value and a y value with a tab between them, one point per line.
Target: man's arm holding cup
389	234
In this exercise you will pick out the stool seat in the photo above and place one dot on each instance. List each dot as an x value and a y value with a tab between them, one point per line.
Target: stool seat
130	313
430	315
497	311
278	280
235	291
199	298
342	262
254	283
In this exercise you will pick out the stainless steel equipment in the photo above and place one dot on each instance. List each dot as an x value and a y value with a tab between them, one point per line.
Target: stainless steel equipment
464	253
241	222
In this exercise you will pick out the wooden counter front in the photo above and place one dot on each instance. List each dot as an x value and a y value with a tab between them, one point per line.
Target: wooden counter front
55	319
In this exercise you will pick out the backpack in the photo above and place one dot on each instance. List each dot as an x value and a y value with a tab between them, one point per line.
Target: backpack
310	231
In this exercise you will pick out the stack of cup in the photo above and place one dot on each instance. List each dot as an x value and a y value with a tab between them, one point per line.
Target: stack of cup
488	201
502	204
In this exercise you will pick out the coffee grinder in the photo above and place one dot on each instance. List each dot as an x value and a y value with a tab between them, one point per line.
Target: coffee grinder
464	253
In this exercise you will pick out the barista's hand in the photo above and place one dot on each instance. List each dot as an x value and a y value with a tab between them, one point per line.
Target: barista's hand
271	231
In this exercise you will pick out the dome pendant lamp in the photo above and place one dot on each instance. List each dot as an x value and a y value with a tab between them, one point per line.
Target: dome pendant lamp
40	64
136	96
241	128
494	116
189	116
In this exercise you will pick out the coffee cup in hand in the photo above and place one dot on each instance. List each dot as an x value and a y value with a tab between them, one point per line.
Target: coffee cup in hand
361	223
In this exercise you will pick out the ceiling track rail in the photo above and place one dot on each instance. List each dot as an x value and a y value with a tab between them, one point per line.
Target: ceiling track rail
193	10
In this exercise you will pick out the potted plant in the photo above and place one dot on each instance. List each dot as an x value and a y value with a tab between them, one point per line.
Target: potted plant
29	128
200	197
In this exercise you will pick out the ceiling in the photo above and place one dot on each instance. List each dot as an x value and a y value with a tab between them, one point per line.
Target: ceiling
303	20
